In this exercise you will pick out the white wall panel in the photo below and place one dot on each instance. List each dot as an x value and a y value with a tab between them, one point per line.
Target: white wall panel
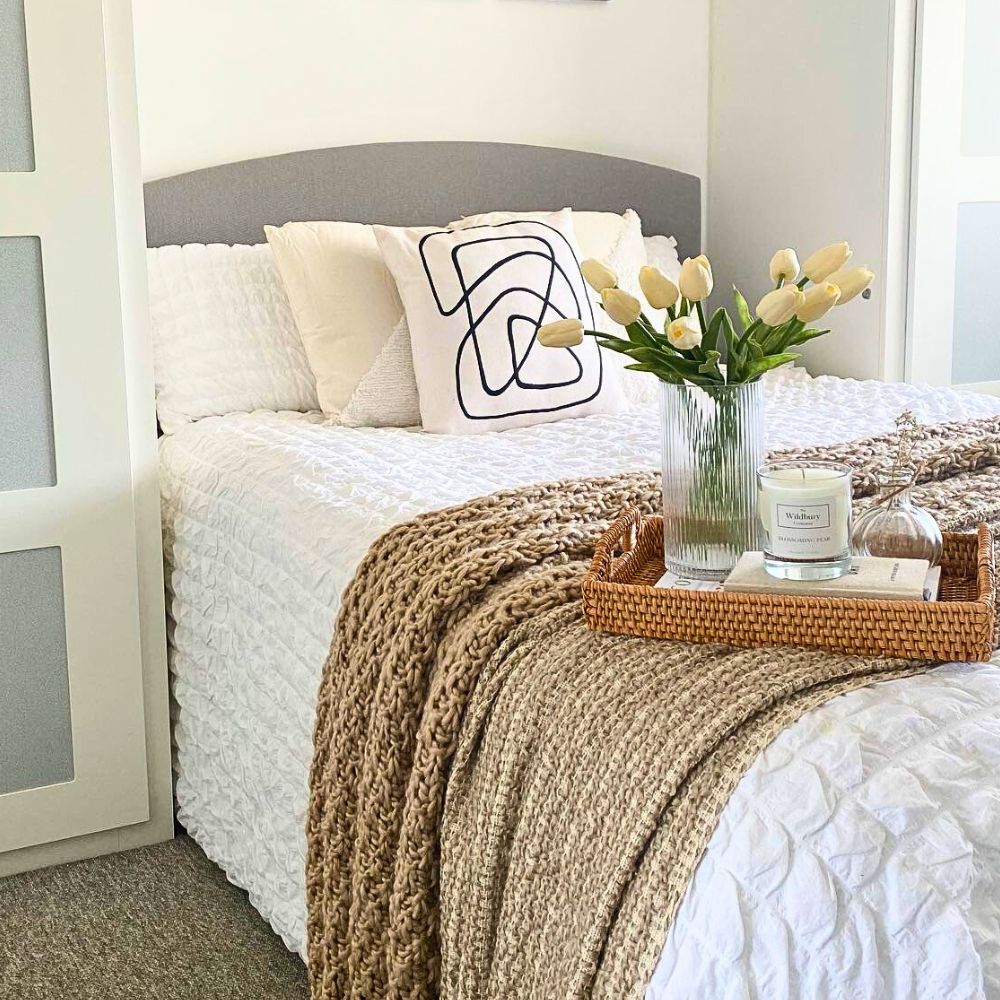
809	143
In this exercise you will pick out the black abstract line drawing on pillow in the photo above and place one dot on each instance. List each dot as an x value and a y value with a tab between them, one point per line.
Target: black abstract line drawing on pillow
556	291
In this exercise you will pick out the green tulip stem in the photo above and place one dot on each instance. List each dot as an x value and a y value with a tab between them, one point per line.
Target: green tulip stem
672	313
802	282
701	317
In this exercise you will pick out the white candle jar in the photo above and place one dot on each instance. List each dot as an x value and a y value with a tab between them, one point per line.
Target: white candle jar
805	513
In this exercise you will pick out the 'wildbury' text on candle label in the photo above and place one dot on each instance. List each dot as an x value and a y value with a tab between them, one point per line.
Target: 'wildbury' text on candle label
807	531
798	516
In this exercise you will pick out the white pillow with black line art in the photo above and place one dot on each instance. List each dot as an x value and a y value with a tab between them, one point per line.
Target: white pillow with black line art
474	299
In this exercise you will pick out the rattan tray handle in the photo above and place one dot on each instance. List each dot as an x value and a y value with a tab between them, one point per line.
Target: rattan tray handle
617	541
986	570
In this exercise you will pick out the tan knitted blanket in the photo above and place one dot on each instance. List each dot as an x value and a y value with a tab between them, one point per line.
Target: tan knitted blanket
587	771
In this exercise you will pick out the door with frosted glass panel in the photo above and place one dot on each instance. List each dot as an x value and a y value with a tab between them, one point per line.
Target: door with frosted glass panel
73	753
953	330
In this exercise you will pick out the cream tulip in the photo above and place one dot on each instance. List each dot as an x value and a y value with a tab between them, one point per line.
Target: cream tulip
684	333
561	333
696	279
824	262
704	261
660	291
620	306
784	265
851	281
779	306
817	301
598	275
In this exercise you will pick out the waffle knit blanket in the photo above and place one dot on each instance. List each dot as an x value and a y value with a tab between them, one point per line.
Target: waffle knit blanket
505	804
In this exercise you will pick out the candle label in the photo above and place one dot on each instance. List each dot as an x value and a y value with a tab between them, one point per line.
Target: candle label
807	531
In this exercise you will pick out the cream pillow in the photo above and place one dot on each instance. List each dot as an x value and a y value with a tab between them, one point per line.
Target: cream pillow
342	297
474	299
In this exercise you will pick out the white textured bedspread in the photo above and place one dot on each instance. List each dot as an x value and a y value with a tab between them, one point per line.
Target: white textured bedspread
859	857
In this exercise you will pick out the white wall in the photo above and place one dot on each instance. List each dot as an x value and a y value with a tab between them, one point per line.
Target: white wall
809	133
223	80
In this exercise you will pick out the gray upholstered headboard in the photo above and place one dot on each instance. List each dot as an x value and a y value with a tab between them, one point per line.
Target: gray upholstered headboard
415	183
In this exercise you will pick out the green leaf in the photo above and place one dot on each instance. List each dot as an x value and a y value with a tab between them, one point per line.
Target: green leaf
734	359
750	332
757	368
742	309
614	343
638	334
661	374
710	366
710	342
804	336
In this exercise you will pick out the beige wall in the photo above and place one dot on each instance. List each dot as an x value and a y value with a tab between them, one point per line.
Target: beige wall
224	80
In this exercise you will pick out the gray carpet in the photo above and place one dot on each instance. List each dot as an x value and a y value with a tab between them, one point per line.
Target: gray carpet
159	923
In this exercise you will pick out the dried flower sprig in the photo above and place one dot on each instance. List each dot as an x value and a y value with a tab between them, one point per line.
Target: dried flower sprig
906	433
903	473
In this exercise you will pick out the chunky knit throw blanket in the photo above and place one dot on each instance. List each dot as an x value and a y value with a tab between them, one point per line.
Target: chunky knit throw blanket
584	772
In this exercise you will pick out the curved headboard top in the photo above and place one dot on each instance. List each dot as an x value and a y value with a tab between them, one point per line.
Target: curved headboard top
415	183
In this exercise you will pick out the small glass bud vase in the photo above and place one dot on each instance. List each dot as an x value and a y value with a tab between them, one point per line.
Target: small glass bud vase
895	526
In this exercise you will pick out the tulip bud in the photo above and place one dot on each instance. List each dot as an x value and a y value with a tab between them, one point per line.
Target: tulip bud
696	279
818	301
704	261
824	262
779	306
851	281
599	276
784	265
561	333
684	333
660	291
620	306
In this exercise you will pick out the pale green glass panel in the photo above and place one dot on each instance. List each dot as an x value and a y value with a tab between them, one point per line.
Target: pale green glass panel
27	450
981	79
36	737
976	338
17	149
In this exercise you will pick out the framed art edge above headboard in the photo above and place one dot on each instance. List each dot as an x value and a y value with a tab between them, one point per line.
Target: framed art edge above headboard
415	183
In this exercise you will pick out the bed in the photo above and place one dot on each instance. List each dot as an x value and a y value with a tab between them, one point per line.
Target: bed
860	856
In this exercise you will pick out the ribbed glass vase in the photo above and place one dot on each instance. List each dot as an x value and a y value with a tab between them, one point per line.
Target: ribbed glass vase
713	443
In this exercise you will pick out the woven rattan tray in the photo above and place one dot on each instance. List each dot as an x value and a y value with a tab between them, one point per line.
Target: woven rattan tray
619	596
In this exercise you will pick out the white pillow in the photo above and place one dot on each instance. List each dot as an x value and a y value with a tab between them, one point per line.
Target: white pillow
387	395
661	252
343	299
598	234
474	298
224	340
